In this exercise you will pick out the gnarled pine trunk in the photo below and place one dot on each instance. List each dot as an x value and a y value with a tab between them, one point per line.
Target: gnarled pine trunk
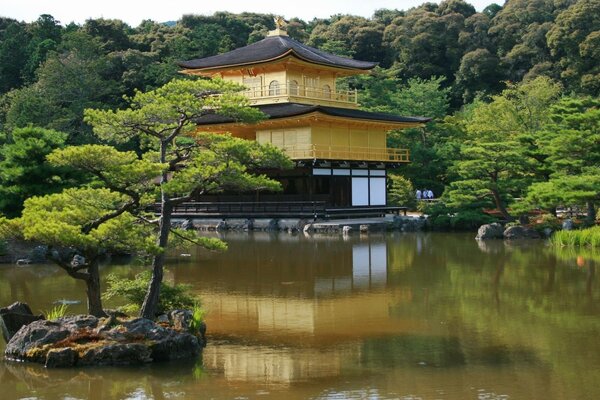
94	294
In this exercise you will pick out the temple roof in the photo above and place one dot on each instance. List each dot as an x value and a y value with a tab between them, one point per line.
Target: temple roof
284	110
272	48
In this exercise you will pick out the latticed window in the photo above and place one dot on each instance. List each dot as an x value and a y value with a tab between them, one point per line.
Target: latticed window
326	91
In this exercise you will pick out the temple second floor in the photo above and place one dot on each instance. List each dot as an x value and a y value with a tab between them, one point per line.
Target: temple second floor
309	132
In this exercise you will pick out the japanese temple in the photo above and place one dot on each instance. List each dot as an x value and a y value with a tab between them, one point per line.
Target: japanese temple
340	152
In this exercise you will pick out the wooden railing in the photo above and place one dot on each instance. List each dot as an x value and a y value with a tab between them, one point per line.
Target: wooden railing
302	91
251	209
324	152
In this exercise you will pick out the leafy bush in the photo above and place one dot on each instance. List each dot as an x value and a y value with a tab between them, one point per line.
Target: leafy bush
442	217
401	191
547	221
134	290
3	247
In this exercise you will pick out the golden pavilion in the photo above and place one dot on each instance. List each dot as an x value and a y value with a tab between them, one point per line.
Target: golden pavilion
340	151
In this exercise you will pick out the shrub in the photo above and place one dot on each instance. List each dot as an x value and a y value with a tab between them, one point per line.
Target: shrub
400	192
442	217
134	290
3	247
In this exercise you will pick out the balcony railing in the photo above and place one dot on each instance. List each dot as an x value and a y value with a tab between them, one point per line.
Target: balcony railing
273	93
324	152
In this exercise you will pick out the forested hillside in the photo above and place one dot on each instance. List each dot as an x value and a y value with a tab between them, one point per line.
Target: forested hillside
439	60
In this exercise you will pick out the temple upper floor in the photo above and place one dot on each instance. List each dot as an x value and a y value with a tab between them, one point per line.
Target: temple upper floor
279	69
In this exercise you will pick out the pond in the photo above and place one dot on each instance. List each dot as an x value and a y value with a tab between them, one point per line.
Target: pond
396	316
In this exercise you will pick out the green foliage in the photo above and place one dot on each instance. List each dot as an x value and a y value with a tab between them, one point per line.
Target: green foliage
502	154
589	237
70	219
24	171
400	191
571	141
3	247
197	319
134	290
57	312
443	217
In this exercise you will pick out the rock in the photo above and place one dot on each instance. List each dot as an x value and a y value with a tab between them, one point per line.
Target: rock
10	323
15	316
240	224
265	224
490	231
547	232
86	340
307	228
364	228
163	318
175	346
34	336
520	232
17	307
187	225
568	225
117	354
181	319
38	254
346	230
61	358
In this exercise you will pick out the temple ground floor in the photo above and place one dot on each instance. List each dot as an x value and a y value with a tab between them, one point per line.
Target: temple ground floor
333	186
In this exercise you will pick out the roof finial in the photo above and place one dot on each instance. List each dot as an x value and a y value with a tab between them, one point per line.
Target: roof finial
280	25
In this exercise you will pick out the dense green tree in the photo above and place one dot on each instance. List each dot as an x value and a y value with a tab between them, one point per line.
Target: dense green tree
24	171
79	225
13	53
575	40
68	82
162	118
46	35
478	74
572	143
502	154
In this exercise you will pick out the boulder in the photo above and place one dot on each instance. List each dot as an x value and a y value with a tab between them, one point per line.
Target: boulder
181	319
61	358
346	230
520	232
13	317
87	340
490	231
116	354
27	342
363	228
568	225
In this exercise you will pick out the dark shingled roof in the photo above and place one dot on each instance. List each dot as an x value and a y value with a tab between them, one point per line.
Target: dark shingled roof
283	110
272	48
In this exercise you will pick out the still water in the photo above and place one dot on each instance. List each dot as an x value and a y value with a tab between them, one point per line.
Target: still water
398	316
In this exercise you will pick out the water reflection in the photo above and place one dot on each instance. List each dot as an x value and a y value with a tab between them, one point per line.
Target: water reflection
379	316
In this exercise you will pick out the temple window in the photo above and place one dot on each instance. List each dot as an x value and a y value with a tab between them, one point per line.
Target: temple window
274	88
326	91
294	87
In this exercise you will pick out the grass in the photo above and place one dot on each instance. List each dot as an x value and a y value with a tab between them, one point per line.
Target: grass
56	312
197	318
589	237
